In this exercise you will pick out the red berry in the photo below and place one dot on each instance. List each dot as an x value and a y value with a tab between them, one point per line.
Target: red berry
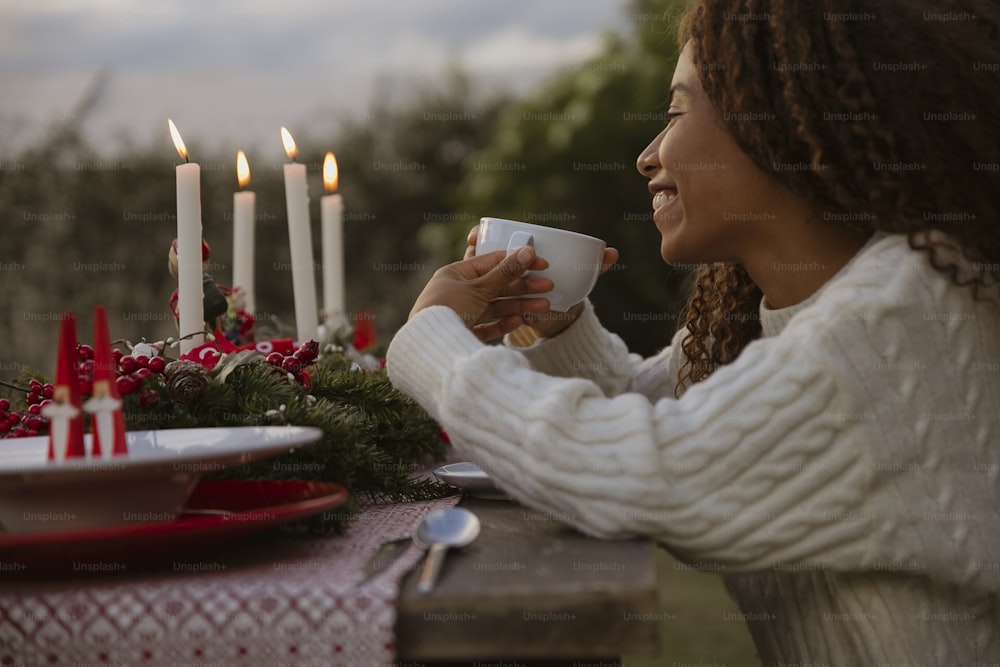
35	386
44	403
142	374
308	351
85	384
4	405
4	425
275	359
116	355
18	433
124	385
48	391
157	364
32	397
87	367
14	418
149	398
35	409
291	364
32	422
141	360
128	365
85	351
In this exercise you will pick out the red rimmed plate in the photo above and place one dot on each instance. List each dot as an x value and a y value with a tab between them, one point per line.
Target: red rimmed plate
217	512
155	478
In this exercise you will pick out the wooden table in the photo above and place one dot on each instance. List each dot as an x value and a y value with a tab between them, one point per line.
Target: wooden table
527	589
531	588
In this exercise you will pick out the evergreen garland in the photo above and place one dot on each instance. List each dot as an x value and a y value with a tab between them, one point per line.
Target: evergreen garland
374	438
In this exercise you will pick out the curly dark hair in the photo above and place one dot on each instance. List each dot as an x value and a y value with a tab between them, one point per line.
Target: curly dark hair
893	105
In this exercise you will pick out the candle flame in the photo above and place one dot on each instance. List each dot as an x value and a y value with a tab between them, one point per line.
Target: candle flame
178	142
331	174
289	143
242	169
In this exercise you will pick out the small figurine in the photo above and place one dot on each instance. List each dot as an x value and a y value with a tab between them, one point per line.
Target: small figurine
105	404
66	420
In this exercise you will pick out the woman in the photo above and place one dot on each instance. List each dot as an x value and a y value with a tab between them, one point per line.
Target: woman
823	429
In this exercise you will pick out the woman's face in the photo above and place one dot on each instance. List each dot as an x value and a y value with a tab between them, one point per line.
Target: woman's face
710	202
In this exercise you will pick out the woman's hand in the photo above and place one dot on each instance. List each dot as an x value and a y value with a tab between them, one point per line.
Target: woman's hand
551	322
474	288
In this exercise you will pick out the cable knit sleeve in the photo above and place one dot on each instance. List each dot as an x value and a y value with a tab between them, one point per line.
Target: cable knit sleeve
588	350
746	469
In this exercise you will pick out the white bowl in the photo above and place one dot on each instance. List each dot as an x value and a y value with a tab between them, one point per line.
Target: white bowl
151	483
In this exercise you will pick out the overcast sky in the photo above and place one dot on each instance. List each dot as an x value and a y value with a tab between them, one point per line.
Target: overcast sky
231	73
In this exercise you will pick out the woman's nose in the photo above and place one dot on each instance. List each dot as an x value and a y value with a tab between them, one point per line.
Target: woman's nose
649	159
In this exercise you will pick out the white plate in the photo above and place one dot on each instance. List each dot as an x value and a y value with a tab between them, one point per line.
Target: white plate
150	483
470	477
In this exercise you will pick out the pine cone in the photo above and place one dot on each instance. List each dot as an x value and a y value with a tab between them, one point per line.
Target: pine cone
186	381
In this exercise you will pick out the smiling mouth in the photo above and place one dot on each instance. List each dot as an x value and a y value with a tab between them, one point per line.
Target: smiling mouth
663	197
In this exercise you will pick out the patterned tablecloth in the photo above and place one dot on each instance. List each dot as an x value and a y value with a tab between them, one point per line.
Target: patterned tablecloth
285	602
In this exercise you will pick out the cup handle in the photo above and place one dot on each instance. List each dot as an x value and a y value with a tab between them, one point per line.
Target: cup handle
518	239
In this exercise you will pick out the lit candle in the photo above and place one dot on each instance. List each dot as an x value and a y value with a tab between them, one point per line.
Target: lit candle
244	203
300	242
332	210
191	313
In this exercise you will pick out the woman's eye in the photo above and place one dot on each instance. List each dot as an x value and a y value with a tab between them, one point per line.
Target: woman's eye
671	115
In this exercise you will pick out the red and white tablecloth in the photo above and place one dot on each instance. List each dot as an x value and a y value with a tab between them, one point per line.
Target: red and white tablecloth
290	602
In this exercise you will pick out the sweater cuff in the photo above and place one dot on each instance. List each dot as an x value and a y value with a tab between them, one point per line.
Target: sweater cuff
424	350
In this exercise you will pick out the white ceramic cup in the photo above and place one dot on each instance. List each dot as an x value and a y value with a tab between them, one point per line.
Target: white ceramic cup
574	259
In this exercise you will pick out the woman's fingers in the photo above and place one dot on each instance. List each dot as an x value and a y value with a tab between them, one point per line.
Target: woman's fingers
493	330
470	251
610	257
508	307
522	309
530	285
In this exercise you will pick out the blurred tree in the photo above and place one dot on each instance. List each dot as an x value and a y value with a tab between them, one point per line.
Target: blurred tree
566	158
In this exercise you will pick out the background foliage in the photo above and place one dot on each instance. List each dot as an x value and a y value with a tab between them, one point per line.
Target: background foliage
416	176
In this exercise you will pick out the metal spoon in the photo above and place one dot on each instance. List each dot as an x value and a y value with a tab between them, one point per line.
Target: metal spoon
441	529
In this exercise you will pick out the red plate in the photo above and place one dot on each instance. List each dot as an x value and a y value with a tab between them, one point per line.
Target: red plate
243	507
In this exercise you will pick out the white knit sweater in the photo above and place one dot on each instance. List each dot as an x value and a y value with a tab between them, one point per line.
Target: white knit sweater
842	473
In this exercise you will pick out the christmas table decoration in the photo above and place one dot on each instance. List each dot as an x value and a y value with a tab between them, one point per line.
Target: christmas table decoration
105	404
63	411
223	307
374	438
226	369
